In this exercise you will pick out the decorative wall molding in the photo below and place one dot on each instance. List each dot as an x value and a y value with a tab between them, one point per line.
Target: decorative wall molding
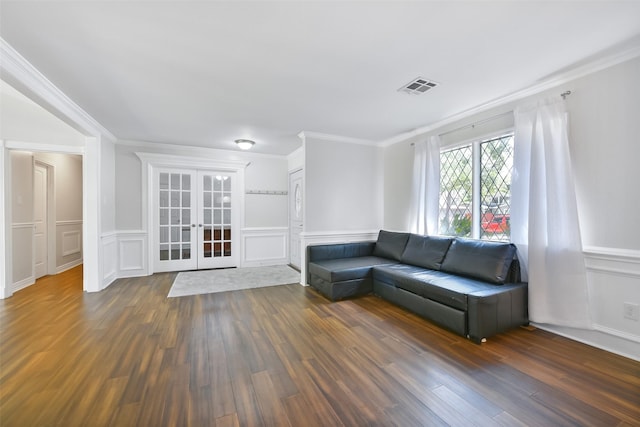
132	253
624	262
264	246
71	242
68	222
335	138
109	258
19	225
20	70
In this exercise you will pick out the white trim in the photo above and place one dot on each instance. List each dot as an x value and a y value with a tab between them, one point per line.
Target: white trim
16	66
68	222
617	343
264	246
24	283
109	260
616	333
336	138
594	66
195	150
44	148
4	221
67	237
68	266
22	225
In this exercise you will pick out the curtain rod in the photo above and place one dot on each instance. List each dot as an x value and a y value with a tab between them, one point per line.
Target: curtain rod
488	119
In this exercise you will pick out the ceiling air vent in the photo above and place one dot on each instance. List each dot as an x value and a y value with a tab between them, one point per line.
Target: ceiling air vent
418	86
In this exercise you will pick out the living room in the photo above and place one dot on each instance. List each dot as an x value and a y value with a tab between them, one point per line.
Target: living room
353	185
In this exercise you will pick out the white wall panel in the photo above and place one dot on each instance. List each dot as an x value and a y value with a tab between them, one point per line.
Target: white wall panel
265	246
132	253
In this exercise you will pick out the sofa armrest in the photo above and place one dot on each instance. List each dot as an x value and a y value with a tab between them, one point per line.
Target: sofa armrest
339	250
496	310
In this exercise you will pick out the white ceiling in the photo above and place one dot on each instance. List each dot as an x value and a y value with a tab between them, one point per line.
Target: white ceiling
206	73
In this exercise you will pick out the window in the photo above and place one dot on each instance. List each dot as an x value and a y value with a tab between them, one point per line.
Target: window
475	193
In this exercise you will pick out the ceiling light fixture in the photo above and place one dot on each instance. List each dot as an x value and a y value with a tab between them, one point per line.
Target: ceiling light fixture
245	144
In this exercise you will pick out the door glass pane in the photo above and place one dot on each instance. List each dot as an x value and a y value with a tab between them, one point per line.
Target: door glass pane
226	216
164	181
186	251
207	183
186	182
164	235
186	198
175	216
164	216
186	234
227	183
175	199
186	216
207	200
164	252
164	199
175	181
175	251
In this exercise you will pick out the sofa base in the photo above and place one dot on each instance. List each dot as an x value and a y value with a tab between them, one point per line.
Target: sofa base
340	290
445	316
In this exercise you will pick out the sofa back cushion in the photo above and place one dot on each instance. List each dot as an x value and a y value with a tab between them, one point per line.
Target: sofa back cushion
488	261
426	251
390	244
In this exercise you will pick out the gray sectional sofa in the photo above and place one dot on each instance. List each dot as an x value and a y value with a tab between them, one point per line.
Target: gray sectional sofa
468	286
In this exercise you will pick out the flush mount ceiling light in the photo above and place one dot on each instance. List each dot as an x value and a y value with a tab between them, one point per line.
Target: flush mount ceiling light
245	144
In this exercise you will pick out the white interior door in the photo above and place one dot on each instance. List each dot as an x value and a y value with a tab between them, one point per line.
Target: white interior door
40	219
196	225
295	217
216	223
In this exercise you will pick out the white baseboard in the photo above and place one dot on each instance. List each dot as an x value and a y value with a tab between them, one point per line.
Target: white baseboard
21	284
68	266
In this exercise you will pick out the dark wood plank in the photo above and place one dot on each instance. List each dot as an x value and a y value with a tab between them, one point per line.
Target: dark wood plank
130	356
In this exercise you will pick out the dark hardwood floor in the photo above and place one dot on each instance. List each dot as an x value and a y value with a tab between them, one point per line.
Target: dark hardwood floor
284	356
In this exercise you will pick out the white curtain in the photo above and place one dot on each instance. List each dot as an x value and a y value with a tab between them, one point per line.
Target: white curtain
425	192
544	217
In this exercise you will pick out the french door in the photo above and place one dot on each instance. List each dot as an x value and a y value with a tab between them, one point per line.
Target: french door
196	224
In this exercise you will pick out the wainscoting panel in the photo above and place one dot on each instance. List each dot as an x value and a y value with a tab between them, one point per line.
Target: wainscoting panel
614	278
109	243
321	238
68	245
132	254
23	273
264	246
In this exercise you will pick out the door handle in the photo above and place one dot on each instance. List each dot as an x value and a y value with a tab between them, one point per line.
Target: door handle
193	225
199	225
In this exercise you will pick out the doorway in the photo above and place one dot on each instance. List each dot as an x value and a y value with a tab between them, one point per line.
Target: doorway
195	220
42	180
295	217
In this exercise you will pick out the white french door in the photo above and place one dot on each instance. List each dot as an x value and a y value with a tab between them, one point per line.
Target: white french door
196	223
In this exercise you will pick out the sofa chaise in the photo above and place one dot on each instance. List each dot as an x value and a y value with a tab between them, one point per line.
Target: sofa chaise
470	287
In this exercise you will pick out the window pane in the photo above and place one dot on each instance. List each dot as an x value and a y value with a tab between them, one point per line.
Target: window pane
456	192
495	194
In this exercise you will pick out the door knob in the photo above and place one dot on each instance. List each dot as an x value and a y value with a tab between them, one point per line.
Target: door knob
193	225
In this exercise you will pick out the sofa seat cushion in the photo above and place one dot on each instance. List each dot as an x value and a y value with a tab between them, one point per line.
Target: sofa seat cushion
438	286
337	270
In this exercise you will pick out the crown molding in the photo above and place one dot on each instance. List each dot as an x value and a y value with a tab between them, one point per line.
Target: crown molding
23	72
335	138
619	56
196	149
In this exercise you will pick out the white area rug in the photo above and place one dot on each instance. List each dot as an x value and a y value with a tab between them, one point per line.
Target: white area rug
231	279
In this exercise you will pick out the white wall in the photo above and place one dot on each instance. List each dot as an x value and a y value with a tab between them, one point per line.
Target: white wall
604	108
343	186
23	120
22	219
